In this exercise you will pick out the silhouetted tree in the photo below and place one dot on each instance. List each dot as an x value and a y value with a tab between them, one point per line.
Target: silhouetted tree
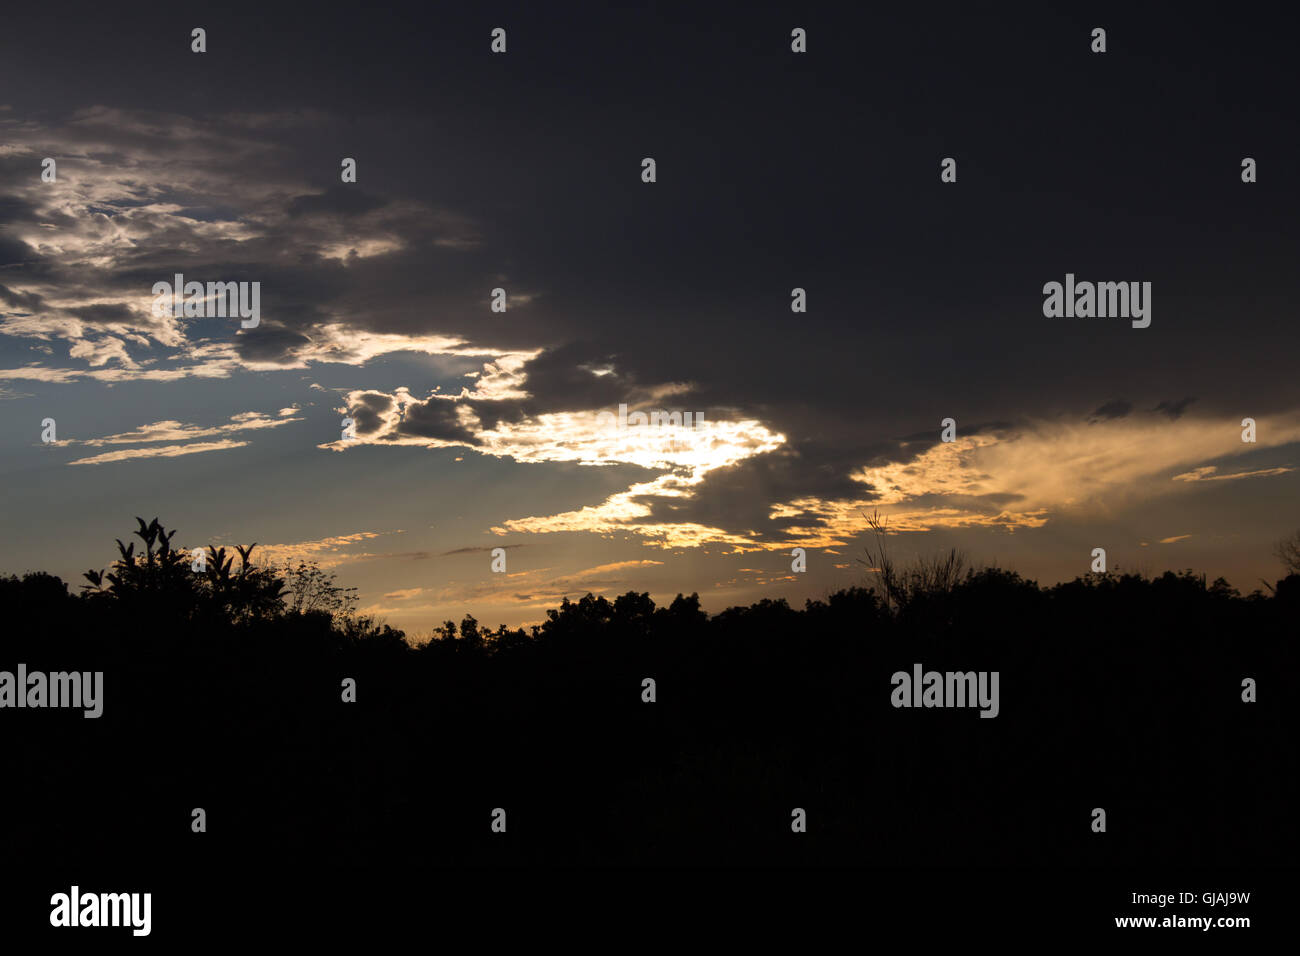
924	579
1288	552
308	588
1117	684
160	581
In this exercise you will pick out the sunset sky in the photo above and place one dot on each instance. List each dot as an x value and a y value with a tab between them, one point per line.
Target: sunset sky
478	429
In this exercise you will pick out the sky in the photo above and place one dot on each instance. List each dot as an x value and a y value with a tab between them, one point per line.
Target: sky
474	429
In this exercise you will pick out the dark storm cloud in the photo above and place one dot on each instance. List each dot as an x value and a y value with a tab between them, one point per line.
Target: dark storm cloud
738	498
565	378
435	418
930	437
924	300
271	345
1111	410
14	251
485	549
573	377
30	302
369	411
336	201
664	292
12	208
1174	409
103	314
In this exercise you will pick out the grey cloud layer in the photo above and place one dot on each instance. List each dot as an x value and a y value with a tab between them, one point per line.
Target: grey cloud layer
633	307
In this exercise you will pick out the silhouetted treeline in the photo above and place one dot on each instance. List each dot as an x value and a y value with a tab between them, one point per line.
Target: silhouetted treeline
1116	692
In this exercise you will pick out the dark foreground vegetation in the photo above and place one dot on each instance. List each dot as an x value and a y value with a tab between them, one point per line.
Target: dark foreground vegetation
1116	692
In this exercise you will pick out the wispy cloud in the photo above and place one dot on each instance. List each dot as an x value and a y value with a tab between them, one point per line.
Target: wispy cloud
163	451
1207	473
174	431
171	430
326	552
